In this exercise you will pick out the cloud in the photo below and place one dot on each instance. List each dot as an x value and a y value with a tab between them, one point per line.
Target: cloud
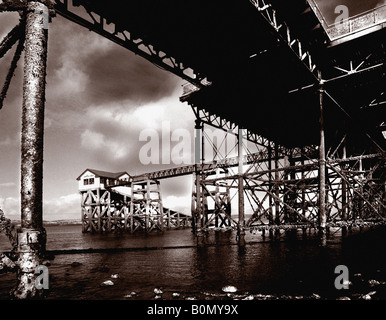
118	74
178	203
107	146
81	61
63	207
7	185
11	207
111	131
6	142
8	21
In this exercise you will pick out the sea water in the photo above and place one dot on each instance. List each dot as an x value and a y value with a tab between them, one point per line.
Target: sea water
290	266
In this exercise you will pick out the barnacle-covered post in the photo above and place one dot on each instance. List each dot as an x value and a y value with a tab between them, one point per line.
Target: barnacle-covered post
31	237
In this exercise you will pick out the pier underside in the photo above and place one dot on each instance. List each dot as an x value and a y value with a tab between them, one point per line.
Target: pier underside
304	99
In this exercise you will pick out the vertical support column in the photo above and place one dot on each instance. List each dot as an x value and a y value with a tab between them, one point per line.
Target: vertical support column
344	191
169	219
91	212
178	224
277	191
98	210
361	179
216	205
199	213
83	210
241	222
194	204
198	143
228	202
160	207
199	157
131	209
126	213
146	186
303	185
322	164
31	239
292	194
271	216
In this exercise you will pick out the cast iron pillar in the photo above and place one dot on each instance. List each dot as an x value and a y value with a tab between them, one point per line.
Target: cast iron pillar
322	164
241	222
31	237
199	158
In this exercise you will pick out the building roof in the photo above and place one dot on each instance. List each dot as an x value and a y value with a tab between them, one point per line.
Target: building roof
104	174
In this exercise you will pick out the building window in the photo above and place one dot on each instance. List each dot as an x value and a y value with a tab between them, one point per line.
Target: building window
88	181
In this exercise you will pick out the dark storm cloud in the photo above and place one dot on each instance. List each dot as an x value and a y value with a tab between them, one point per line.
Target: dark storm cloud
118	75
110	72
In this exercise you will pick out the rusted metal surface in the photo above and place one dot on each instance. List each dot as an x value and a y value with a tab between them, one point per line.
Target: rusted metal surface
33	116
11	71
10	39
322	164
241	222
31	237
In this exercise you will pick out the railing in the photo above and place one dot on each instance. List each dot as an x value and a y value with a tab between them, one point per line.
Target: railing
354	24
358	23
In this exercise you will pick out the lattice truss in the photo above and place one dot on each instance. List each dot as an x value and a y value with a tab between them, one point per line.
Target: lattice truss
142	210
103	211
281	185
146	210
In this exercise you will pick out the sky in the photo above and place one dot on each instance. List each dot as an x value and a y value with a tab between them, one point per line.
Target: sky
99	98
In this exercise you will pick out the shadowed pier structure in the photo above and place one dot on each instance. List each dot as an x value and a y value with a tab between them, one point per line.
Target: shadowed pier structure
306	94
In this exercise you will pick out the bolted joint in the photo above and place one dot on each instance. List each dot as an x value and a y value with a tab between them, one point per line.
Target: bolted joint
198	124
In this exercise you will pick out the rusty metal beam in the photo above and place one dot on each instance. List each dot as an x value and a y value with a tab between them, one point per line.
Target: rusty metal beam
11	71
10	39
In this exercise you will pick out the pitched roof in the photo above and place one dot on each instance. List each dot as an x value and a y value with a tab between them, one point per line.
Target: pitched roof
104	174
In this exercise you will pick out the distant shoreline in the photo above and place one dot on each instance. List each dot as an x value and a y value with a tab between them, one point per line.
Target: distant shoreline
53	222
